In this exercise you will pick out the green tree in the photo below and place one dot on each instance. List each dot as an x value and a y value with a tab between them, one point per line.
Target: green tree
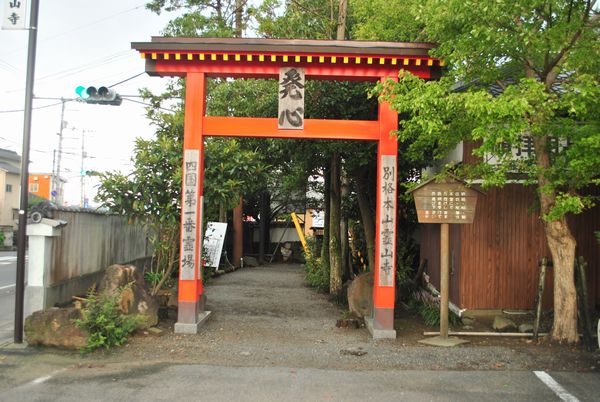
542	57
229	172
387	20
211	18
151	192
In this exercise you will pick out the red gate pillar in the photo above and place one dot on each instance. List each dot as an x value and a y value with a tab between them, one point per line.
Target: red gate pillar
190	313
382	324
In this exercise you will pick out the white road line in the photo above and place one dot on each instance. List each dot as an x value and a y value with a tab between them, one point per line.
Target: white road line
45	378
8	258
7	286
555	387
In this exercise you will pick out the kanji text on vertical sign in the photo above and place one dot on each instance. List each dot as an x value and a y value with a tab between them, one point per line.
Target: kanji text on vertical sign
189	211
14	14
291	98
387	216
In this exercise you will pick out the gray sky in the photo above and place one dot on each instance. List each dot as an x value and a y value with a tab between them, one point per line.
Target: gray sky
80	42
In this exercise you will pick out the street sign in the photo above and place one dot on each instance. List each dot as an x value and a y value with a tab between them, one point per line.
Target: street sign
14	14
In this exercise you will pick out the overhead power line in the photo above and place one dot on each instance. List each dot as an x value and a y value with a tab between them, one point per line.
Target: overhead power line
80	27
125	80
35	108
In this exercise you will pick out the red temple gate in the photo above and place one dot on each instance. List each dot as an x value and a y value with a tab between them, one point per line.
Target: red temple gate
199	58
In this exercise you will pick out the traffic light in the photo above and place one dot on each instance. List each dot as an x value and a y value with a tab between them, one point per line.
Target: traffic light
100	96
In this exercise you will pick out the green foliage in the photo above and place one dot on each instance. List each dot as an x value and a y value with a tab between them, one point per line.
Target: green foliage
104	321
210	18
428	307
385	20
300	19
538	55
520	74
316	274
230	170
153	277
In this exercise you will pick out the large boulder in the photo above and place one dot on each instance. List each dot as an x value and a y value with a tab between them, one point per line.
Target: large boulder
360	295
55	327
135	299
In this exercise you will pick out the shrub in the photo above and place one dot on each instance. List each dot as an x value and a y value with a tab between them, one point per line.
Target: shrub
428	307
104	321
316	274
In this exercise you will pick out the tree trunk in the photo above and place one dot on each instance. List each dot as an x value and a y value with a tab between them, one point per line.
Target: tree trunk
562	248
238	233
239	12
335	257
345	243
366	217
263	227
335	249
222	213
327	205
341	24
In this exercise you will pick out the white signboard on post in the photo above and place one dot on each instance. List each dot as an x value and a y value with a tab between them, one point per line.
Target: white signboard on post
14	16
213	243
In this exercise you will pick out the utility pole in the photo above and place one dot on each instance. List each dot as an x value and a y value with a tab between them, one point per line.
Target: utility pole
23	202
82	172
57	185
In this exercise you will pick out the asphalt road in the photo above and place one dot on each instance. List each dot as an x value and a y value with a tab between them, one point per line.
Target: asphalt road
168	382
8	266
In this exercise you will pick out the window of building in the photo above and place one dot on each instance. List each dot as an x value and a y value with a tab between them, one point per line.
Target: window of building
34	187
9	188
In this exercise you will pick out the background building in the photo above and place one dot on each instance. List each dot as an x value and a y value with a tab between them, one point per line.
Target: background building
10	176
46	185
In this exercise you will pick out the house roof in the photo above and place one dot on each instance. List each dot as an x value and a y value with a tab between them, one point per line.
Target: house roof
9	168
8	155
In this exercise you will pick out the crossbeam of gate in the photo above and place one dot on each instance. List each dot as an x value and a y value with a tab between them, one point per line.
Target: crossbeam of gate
197	59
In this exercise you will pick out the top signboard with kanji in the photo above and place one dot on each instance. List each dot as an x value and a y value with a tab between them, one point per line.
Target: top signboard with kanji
14	14
446	201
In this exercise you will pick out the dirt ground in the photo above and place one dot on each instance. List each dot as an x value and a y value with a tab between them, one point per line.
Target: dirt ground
267	317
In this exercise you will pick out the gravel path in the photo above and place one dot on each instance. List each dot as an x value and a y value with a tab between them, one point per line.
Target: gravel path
265	316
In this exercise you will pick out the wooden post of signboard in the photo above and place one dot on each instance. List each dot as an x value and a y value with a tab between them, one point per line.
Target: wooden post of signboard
447	201
444	278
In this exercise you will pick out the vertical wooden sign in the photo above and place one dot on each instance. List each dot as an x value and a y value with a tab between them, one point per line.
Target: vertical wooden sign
387	220
291	98
189	210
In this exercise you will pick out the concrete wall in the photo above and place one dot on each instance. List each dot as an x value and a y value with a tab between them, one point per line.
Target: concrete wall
279	233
